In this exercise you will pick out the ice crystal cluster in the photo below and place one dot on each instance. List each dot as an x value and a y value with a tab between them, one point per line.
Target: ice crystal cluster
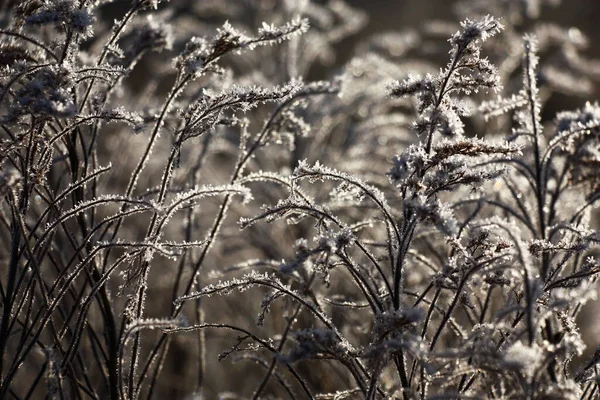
187	213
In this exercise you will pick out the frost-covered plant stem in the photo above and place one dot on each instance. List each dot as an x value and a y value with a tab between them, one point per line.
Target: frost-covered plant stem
244	157
459	273
131	12
8	293
141	291
282	341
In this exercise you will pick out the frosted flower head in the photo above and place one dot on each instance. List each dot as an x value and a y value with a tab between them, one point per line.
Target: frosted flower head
150	34
46	93
474	31
586	117
199	53
316	343
407	163
62	14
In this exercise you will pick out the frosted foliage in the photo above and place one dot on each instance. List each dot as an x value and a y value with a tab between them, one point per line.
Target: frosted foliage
187	215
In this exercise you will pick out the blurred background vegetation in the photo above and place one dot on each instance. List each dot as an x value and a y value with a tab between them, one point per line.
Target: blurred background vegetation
383	15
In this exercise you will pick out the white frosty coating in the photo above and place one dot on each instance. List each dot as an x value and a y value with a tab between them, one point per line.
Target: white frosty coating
459	273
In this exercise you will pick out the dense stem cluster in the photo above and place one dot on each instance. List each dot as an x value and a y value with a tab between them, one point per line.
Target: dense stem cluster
395	231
